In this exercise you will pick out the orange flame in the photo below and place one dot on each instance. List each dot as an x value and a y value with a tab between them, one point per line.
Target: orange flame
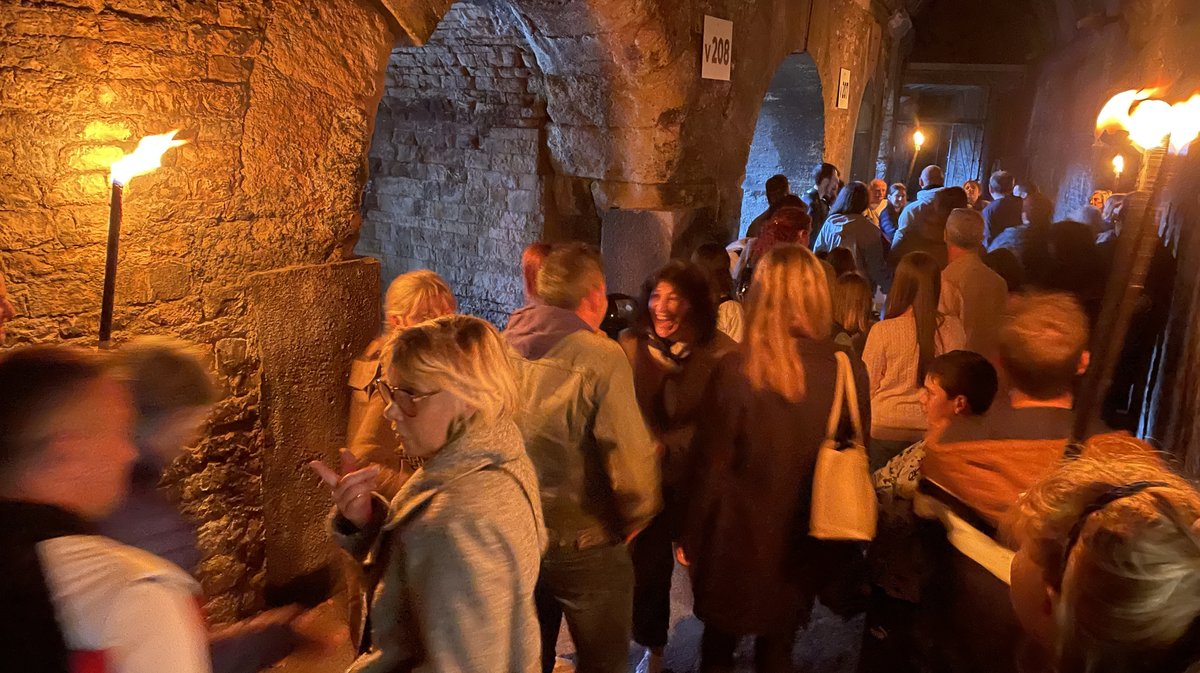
1151	122
1118	165
919	138
1185	128
145	158
1115	115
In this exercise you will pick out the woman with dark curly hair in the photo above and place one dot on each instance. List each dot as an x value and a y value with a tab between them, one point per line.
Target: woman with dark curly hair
673	350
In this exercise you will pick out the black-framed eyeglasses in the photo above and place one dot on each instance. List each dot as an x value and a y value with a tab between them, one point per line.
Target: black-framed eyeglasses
405	400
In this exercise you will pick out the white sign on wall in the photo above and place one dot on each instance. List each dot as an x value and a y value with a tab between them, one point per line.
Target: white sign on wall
717	51
843	101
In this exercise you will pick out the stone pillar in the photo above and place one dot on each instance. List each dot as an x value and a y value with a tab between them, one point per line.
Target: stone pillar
635	243
310	323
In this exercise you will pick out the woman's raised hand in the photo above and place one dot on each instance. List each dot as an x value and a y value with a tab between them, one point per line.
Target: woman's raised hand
352	488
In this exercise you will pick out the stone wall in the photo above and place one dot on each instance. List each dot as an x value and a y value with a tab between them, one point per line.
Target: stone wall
1134	49
455	160
1135	45
276	99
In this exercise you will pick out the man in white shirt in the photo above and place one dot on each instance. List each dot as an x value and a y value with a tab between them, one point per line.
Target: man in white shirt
72	600
971	291
879	191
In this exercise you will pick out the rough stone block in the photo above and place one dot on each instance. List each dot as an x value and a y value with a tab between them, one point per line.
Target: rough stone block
305	365
229	68
79	190
170	281
521	201
635	243
25	229
92	157
103	131
231	355
20	191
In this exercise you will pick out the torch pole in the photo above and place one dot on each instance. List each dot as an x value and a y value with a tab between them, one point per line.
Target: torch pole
1135	251
110	263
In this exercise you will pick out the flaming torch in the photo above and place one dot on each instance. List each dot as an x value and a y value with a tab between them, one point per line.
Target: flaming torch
1161	131
918	140
145	158
1118	164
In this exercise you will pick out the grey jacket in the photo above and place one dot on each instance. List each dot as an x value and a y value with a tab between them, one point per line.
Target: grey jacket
596	461
453	560
858	235
917	215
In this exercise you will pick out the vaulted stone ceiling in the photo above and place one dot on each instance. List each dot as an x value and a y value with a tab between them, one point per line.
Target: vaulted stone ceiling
1003	31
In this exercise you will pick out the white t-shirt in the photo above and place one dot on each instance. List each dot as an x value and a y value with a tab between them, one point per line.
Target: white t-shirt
731	320
139	612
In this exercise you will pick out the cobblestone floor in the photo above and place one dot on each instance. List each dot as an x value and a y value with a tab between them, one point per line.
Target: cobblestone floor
829	645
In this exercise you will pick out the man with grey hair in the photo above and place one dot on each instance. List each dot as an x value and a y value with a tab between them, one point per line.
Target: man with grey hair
878	201
971	291
595	458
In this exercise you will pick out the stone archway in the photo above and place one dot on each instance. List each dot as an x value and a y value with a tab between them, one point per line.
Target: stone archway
789	137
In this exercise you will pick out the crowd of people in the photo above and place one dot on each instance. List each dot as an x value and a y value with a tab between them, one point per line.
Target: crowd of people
496	483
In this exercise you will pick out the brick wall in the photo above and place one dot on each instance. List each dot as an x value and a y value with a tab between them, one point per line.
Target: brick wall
455	184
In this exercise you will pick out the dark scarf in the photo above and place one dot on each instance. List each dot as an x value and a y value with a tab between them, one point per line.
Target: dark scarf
670	355
31	640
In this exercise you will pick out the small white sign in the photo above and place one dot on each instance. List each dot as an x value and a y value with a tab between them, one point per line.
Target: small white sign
717	51
843	100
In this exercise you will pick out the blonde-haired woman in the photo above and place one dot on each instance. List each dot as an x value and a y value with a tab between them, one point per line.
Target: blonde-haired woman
754	568
1107	576
411	298
852	321
455	554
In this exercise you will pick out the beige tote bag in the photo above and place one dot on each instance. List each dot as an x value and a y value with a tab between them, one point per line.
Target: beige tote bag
843	498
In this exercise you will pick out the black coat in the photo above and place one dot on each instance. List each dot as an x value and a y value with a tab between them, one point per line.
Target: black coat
754	569
671	402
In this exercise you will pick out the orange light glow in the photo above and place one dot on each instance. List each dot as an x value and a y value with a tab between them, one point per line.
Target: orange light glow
1185	127
1116	113
1118	165
1151	122
919	138
145	158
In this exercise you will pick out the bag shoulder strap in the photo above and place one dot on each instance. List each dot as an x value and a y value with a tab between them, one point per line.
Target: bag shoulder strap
850	388
839	397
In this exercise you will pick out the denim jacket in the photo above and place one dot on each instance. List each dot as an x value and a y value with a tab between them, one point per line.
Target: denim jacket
596	460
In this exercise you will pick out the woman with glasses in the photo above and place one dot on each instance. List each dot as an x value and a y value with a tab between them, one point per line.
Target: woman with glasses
455	554
412	298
